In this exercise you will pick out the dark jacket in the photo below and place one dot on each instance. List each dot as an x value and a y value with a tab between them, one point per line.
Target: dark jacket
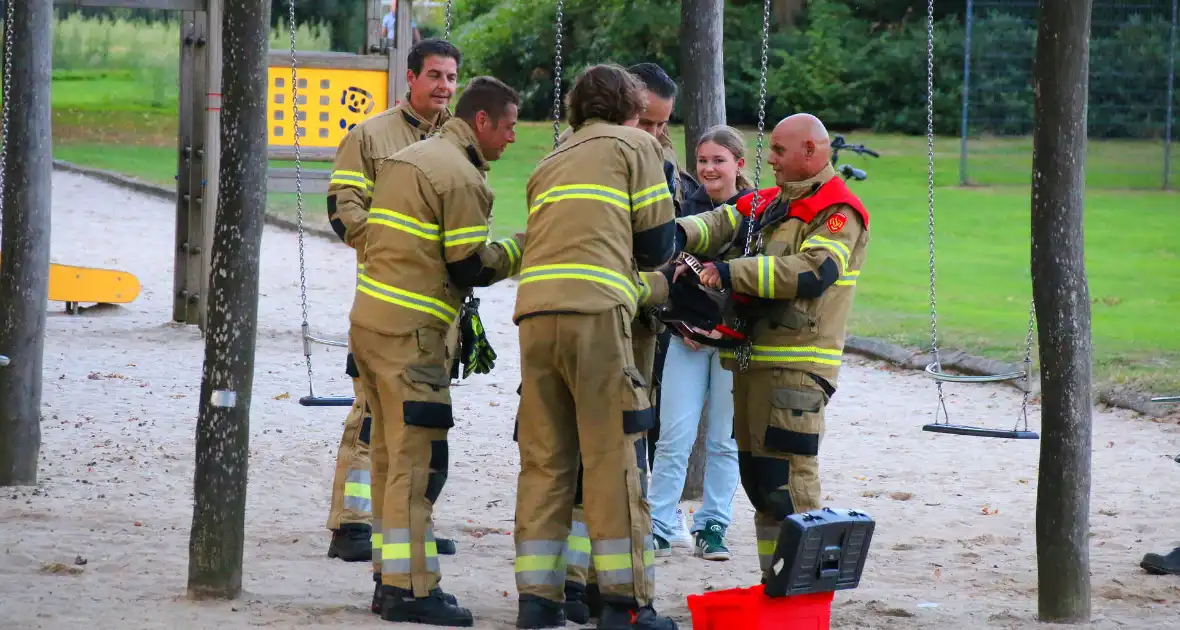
698	201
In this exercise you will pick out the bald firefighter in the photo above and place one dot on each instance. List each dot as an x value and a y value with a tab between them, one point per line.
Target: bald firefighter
432	75
426	246
808	249
599	213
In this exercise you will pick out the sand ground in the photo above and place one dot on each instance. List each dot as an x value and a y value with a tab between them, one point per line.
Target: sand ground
954	545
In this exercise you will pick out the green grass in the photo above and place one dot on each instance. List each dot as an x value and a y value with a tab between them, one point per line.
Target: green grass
112	118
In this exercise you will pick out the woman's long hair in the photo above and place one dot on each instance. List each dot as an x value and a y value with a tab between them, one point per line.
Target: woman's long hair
731	139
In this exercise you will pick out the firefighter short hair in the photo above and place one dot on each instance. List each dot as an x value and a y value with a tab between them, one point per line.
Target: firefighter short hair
431	48
657	81
606	91
485	94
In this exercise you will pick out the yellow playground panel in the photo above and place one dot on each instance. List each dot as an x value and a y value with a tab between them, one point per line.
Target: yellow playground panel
331	101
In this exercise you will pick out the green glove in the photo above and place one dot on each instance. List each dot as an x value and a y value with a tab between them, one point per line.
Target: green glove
475	352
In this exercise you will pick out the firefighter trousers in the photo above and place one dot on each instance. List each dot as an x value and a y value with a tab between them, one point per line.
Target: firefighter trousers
778	423
407	386
579	570
582	400
352	483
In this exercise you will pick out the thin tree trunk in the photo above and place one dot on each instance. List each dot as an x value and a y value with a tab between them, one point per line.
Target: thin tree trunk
24	246
694	477
1062	298
702	70
223	423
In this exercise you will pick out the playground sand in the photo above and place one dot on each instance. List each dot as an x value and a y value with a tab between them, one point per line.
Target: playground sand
102	541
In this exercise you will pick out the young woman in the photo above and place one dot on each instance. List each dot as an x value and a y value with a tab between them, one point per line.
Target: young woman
694	381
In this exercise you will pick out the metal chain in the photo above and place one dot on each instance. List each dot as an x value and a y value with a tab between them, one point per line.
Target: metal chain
447	30
1028	345
742	352
299	200
557	75
7	92
930	200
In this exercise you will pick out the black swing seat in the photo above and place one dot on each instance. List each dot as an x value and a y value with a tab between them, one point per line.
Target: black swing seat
959	429
326	401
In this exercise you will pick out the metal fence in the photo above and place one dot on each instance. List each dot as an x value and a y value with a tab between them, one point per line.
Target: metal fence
1133	116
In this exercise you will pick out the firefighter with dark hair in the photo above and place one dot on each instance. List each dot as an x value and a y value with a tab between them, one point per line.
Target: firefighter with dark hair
426	247
432	75
600	212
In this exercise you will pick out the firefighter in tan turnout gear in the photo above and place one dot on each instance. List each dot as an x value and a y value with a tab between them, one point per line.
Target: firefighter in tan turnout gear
433	70
426	246
809	246
599	212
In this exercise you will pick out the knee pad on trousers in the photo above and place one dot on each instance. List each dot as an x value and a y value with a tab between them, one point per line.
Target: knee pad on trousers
350	366
439	456
366	428
772	476
641	461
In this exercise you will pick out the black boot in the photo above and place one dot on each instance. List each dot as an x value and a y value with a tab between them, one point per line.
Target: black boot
351	543
594	601
1157	564
538	612
398	604
617	617
576	609
378	595
445	546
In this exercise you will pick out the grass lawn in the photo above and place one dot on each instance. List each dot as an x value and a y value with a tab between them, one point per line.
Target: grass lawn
983	231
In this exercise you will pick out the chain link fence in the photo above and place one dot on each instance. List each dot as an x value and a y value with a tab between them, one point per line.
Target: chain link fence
1133	118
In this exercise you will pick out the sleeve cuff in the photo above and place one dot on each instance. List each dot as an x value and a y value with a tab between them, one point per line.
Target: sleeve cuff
723	271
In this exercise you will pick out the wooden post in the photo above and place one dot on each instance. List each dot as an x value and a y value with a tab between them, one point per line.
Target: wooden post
373	18
1062	299
24	263
223	432
191	267
210	150
399	56
702	70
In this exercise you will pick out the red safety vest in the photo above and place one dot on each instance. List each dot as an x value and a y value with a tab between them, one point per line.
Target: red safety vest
833	192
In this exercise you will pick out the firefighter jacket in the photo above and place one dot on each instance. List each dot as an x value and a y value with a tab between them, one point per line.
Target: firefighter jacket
813	243
426	241
599	213
359	156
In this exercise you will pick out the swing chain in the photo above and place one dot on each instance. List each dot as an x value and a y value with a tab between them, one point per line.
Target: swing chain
299	200
930	202
742	352
557	75
7	89
1028	345
447	31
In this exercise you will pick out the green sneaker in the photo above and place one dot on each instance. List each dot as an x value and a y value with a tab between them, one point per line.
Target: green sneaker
710	542
663	547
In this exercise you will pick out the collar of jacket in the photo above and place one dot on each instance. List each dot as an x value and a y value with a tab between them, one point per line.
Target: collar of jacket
418	121
459	133
807	187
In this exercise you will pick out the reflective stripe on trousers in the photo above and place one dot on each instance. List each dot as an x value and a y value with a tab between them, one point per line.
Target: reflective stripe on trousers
397	552
767	540
357	491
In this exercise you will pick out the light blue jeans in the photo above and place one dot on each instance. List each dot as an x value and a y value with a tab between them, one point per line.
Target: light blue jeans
693	379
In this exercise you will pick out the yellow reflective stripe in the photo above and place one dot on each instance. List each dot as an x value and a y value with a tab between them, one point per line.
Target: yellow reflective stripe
765	276
401	551
849	279
644	291
702	234
614	561
464	236
580	544
593	273
352	178
358	490
538	563
733	215
791	354
650	195
613	196
408	299
838	249
511	249
649	557
403	222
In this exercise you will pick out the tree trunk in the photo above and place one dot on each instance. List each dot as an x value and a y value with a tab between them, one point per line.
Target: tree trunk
24	263
694	477
1062	297
222	441
703	98
785	11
